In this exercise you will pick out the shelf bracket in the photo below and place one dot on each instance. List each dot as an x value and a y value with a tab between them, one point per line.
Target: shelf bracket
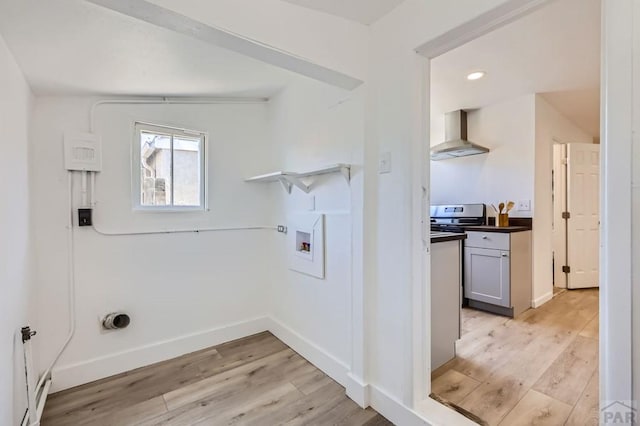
295	181
286	185
346	172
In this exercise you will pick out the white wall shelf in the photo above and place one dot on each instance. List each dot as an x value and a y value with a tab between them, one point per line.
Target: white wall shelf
291	179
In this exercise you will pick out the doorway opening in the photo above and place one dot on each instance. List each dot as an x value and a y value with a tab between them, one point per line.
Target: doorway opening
541	82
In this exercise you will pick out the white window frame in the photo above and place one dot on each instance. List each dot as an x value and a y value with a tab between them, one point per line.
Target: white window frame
139	127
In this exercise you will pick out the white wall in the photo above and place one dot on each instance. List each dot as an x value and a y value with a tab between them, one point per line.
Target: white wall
15	243
550	126
179	288
315	125
505	173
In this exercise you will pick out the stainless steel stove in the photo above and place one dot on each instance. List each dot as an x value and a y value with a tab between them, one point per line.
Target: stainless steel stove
456	217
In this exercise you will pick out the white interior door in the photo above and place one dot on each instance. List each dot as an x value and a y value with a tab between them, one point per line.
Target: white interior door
583	225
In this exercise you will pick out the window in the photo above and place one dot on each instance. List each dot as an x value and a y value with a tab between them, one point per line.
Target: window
169	168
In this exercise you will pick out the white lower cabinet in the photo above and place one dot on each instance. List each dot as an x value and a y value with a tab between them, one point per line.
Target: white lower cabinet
487	276
497	271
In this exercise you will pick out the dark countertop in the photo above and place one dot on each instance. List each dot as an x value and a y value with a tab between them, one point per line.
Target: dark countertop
502	229
440	237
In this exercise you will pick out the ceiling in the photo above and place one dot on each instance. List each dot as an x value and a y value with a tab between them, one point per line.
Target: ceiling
75	47
555	51
363	11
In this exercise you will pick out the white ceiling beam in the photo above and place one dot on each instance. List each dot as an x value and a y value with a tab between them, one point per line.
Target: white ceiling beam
166	18
491	20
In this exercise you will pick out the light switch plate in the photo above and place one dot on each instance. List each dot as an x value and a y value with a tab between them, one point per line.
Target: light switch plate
310	203
384	165
524	205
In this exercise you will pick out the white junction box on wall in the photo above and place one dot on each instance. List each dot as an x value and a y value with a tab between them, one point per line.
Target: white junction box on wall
306	244
82	151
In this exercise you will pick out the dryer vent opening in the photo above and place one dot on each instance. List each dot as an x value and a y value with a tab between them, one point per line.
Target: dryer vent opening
116	320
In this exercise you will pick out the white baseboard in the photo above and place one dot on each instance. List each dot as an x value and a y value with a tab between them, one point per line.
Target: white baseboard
67	376
358	391
393	410
536	303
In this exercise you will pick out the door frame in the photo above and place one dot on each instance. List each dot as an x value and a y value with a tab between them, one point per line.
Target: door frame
559	225
616	172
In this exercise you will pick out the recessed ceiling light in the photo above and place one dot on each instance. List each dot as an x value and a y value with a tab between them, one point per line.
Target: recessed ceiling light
476	75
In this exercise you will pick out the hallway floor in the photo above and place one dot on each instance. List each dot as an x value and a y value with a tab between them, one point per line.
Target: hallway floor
541	368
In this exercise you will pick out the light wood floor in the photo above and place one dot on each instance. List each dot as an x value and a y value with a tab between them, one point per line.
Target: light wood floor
253	381
538	369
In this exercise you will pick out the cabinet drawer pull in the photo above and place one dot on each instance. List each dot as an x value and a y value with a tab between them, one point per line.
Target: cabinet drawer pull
484	237
505	254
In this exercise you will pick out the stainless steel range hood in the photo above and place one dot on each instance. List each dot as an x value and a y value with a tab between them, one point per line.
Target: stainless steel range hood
456	143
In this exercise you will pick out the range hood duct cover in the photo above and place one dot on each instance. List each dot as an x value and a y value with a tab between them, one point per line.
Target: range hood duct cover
456	143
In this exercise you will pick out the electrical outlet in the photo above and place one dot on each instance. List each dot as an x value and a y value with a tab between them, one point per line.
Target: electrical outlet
524	205
282	229
84	217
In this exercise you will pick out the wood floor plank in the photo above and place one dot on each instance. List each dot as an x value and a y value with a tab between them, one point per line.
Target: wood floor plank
378	421
339	414
453	386
537	409
569	374
586	412
305	410
592	329
223	406
359	416
273	368
252	347
473	319
311	381
130	415
269	402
